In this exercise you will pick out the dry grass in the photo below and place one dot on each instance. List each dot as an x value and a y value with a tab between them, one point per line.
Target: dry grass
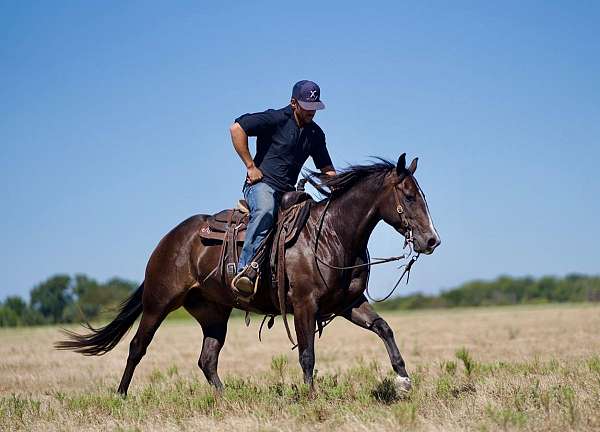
522	368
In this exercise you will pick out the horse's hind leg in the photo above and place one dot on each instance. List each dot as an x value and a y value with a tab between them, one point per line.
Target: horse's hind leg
137	348
363	315
213	318
160	298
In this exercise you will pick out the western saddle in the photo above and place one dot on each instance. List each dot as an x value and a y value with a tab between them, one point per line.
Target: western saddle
228	227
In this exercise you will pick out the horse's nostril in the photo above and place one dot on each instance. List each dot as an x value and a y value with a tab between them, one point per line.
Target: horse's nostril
431	242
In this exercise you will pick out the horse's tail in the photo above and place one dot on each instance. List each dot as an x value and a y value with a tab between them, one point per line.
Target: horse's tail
101	340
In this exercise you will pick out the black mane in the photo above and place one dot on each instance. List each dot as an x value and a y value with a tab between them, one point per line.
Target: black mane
349	176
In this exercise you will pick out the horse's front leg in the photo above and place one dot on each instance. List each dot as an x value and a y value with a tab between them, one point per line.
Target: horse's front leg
305	322
363	315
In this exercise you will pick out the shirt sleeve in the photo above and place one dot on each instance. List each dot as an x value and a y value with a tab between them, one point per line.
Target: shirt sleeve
319	153
258	123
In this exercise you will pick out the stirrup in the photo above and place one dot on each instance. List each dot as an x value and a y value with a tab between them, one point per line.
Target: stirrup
253	287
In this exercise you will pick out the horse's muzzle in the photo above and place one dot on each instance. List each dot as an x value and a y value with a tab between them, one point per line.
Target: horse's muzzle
429	245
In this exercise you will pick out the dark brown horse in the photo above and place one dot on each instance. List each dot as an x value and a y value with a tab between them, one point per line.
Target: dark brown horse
179	273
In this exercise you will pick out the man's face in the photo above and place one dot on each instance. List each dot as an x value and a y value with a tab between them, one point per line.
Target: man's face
304	116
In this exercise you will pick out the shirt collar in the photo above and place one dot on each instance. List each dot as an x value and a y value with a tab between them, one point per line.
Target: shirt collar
290	113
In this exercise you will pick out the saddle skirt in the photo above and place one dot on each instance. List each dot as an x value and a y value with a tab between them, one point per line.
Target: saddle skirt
229	226
231	220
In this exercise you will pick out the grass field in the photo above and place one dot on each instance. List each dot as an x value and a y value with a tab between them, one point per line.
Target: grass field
509	368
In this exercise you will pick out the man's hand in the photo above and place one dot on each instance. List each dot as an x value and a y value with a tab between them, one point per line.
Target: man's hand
328	170
254	175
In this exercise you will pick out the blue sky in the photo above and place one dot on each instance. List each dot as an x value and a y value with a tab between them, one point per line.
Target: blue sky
114	124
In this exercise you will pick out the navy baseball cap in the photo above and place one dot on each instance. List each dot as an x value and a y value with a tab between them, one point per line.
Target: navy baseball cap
308	95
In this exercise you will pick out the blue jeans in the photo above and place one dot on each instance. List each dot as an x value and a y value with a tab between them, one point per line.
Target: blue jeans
263	201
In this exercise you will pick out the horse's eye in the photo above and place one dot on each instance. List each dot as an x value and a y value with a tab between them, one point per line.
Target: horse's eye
410	198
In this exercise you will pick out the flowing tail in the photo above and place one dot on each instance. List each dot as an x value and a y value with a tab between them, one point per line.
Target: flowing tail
101	340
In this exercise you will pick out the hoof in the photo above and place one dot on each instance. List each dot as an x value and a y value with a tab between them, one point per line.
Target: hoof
403	384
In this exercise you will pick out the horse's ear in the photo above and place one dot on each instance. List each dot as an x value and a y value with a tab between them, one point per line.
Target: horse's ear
401	166
413	166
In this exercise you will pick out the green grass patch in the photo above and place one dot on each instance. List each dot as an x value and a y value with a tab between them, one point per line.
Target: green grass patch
19	408
463	355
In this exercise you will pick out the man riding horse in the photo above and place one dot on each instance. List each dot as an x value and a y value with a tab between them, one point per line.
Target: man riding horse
326	266
285	139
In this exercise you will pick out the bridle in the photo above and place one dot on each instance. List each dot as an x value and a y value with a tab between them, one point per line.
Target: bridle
408	236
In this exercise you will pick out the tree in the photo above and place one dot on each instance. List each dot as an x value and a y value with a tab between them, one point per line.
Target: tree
94	298
17	304
51	297
15	312
8	317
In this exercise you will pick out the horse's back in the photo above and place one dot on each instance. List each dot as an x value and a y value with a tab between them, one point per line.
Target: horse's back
176	251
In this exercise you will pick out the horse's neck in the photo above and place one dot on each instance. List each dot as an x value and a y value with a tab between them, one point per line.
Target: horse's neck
353	216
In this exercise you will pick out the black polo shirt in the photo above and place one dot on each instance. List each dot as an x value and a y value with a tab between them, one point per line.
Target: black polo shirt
282	147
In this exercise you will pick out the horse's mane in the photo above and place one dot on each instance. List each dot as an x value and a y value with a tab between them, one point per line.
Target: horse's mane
349	176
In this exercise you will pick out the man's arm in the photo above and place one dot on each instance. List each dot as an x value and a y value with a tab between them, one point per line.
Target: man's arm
321	156
239	138
251	125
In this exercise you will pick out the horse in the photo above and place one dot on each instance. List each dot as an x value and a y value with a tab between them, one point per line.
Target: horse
180	273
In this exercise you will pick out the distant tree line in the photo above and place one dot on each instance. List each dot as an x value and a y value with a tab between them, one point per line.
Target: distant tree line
65	299
505	290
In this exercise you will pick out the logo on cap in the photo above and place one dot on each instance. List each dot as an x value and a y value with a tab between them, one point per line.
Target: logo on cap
308	95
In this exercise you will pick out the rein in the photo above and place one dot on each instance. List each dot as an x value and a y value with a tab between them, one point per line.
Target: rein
370	263
406	271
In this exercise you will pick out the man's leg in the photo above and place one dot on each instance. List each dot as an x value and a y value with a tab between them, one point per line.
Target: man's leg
262	200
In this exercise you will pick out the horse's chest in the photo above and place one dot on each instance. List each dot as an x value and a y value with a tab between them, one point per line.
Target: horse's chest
311	280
